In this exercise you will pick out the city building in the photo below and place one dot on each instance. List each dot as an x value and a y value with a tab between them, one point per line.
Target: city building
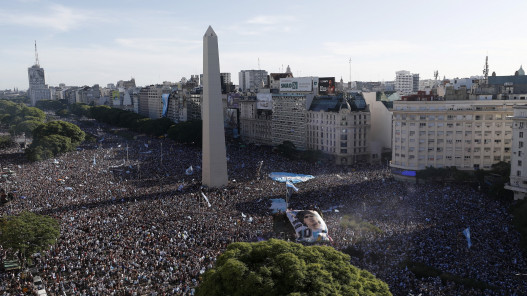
518	176
289	118
253	80
225	78
468	135
38	90
256	116
415	82
380	105
126	84
406	83
151	102
339	126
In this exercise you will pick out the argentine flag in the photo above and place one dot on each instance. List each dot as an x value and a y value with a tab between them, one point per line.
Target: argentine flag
466	232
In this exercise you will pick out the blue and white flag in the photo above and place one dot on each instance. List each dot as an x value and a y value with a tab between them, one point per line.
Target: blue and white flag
289	187
466	232
289	184
206	199
189	171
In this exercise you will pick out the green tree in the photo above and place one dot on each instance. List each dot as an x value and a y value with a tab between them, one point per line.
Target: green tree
61	128
6	141
188	132
29	233
80	109
278	267
27	127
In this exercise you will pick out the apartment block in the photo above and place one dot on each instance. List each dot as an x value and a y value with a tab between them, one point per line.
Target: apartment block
466	134
289	118
255	123
518	177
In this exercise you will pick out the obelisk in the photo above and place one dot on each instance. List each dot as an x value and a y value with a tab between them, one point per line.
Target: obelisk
214	155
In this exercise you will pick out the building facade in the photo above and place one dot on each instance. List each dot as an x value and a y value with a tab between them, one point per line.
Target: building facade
338	128
466	134
252	79
150	100
255	124
38	90
289	118
404	82
518	177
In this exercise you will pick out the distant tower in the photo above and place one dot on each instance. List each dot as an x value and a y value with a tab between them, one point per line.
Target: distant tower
214	155
38	89
288	70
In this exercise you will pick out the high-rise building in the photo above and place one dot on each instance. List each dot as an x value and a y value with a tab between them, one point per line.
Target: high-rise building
518	177
38	90
289	118
150	100
252	79
225	78
415	83
404	82
468	135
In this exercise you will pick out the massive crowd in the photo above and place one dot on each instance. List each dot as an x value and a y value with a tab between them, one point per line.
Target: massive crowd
133	221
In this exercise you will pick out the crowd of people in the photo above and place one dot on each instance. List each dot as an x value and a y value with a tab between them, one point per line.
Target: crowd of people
134	220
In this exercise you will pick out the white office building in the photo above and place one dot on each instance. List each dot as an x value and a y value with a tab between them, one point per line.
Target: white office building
518	177
469	134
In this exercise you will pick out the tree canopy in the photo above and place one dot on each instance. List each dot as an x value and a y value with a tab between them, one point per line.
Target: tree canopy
61	128
13	114
53	138
187	132
277	267
28	233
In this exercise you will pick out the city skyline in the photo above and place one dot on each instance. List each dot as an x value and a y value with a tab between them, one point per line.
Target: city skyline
83	43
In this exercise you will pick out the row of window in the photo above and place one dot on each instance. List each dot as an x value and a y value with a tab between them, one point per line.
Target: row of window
449	157
452	117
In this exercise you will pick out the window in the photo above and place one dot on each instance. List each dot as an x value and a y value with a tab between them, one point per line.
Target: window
519	163
520	144
518	173
521	134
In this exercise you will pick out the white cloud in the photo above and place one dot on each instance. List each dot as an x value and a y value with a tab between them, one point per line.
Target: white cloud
270	19
58	17
371	48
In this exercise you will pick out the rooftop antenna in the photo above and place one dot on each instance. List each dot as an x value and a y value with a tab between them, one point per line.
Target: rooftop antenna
350	74
36	55
486	70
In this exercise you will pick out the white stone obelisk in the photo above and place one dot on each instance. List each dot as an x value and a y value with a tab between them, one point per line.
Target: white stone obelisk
214	155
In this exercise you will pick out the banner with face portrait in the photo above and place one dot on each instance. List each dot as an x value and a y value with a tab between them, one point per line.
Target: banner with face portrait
309	226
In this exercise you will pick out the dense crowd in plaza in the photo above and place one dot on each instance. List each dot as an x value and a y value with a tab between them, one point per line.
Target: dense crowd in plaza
134	222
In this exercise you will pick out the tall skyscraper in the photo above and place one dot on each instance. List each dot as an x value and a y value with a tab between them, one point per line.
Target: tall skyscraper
38	90
214	166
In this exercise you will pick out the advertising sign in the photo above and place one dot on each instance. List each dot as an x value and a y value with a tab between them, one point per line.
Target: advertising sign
264	101
326	86
116	96
233	101
296	84
309	226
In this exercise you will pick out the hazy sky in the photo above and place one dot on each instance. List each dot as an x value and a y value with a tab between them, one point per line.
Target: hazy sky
101	42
